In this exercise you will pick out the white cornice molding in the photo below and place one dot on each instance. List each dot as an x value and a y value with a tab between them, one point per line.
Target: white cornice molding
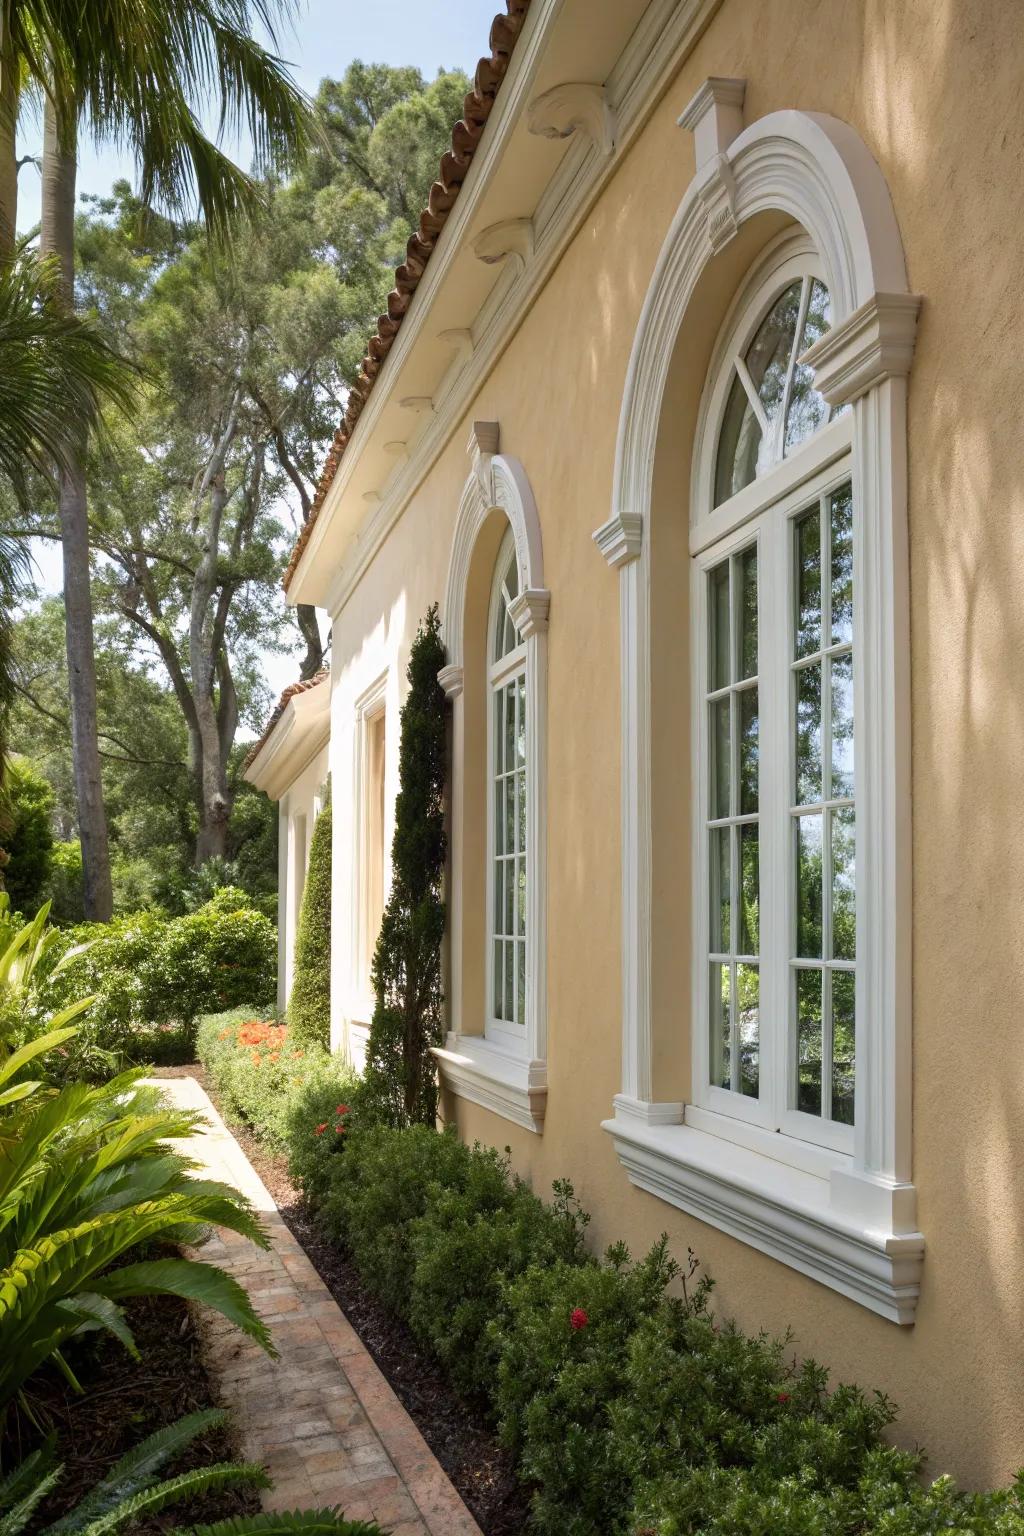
667	32
419	405
621	538
397	450
451	680
577	106
875	343
508	240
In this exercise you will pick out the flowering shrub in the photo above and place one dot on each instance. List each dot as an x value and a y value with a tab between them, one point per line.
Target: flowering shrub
272	1081
153	977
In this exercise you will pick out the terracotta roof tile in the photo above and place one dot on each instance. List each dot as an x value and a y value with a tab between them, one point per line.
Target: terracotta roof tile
279	709
455	164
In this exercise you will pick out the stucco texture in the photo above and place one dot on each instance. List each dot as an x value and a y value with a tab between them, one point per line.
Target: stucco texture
935	89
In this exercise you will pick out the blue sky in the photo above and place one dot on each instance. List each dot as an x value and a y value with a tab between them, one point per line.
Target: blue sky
432	34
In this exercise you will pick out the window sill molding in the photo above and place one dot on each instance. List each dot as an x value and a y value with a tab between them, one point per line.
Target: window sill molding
508	1084
846	1231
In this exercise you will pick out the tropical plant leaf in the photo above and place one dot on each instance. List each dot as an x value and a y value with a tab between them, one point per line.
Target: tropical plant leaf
190	1484
194	1281
92	1311
299	1522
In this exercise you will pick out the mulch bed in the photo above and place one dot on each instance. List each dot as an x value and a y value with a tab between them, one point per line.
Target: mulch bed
124	1401
470	1455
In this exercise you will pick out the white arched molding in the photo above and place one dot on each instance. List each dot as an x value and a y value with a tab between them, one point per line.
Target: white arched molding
851	1223
512	1083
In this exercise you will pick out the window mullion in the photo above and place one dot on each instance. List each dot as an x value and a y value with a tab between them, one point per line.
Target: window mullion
758	409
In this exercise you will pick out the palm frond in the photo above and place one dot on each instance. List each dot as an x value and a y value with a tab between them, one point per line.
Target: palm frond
299	1522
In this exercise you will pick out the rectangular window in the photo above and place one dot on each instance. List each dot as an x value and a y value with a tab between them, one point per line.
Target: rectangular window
508	965
778	821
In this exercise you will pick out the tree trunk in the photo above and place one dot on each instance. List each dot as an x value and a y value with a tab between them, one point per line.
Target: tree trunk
57	238
9	102
309	628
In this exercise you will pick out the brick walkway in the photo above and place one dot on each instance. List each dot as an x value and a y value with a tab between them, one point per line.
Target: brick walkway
321	1419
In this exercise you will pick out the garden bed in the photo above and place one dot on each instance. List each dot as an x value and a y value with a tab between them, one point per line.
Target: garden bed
477	1466
124	1401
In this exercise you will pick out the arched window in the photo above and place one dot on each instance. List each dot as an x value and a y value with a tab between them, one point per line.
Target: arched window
776	930
507	822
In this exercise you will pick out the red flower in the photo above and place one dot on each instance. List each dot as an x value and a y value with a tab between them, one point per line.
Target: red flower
578	1319
783	1397
321	1128
342	1109
340	1130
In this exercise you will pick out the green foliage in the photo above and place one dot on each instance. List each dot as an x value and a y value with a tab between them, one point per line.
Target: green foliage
153	978
270	1080
400	1086
86	1176
631	1410
27	808
131	1491
67	904
309	1007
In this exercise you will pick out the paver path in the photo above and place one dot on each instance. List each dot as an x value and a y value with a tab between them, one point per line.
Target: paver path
321	1419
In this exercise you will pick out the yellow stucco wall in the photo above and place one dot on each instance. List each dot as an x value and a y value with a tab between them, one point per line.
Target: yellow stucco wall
935	89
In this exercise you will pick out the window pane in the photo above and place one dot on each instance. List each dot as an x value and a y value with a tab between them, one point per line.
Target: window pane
511	577
521	809
521	893
842	566
720	890
720	1032
842	727
521	980
521	718
720	758
844	924
748	1023
498	975
807	409
808	1035
808	888
509	927
498	733
748	613
499	893
808	734
750	891
509	1014
718	627
738	445
510	813
844	1052
509	693
769	353
749	755
499	817
808	584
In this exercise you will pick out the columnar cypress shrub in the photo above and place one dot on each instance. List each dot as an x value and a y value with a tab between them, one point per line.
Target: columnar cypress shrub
401	1077
309	1007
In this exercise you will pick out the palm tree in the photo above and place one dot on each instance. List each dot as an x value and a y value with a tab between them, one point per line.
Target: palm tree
54	372
138	71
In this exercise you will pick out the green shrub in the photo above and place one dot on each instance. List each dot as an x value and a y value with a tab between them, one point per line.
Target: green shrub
401	1075
268	1079
153	977
67	898
309	1007
27	805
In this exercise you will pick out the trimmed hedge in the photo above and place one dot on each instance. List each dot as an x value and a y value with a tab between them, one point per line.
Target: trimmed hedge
153	977
630	1408
281	1087
309	1007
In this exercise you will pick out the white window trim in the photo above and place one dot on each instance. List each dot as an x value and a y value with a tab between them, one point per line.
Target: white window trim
501	1032
850	1224
369	707
510	1077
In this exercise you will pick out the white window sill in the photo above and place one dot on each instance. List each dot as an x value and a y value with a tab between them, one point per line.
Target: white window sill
847	1231
502	1080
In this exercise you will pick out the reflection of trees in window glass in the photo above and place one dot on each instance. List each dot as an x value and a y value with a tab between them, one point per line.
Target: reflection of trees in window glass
772	405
